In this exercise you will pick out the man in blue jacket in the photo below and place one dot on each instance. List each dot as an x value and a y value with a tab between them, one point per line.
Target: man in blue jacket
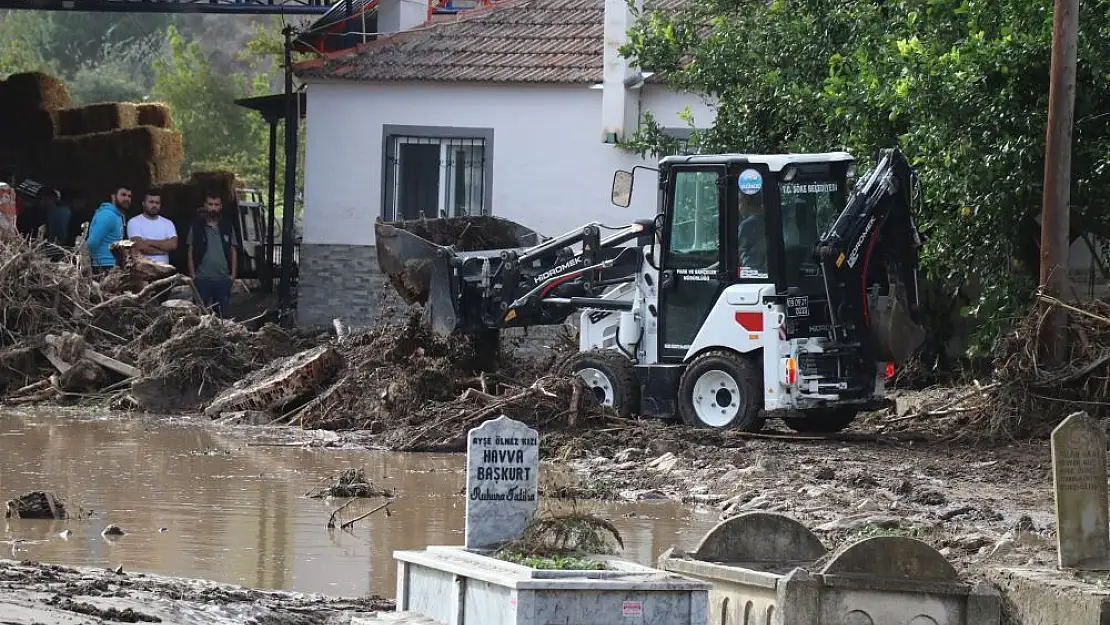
106	228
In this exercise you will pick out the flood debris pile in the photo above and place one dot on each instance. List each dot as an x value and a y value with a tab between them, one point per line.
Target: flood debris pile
136	334
563	541
1026	398
36	505
349	483
413	389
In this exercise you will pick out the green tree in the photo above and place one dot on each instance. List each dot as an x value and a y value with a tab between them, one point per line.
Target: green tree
263	54
21	37
960	86
217	132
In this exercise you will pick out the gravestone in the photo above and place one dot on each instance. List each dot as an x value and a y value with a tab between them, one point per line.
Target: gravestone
1079	480
502	481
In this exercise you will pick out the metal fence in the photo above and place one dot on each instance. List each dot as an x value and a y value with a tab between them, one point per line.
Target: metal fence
435	177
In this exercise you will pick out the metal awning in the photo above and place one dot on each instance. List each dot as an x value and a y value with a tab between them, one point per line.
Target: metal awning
272	106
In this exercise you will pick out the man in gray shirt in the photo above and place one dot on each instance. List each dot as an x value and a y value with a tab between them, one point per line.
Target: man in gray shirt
214	244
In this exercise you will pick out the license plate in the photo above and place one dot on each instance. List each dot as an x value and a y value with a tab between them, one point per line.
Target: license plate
797	306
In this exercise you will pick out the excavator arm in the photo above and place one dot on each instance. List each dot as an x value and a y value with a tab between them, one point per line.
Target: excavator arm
869	264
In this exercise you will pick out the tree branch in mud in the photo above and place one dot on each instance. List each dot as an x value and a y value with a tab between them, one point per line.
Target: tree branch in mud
349	524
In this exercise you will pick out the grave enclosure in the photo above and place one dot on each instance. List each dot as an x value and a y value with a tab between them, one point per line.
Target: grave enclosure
457	585
757	568
1076	594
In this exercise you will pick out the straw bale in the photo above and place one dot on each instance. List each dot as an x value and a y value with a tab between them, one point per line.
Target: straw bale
32	126
58	164
109	116
36	90
180	201
70	123
216	181
155	114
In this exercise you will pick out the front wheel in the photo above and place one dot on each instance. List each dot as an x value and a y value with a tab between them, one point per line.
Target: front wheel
720	390
823	420
609	375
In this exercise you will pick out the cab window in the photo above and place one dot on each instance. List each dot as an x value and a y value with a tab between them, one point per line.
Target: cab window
751	236
695	231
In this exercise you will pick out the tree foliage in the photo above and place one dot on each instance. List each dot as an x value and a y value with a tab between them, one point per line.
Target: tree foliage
216	130
960	86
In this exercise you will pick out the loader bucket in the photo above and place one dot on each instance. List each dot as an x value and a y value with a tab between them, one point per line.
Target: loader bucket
416	256
896	334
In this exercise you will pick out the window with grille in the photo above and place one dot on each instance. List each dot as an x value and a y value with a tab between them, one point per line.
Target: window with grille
436	176
683	135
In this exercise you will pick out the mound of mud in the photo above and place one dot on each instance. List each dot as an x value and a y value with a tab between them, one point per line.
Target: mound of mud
407	249
469	233
31	592
414	389
200	357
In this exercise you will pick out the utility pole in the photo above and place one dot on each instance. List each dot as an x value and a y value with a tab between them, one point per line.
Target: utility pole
292	117
1056	215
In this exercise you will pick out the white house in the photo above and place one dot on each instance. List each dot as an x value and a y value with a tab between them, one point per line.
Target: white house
511	110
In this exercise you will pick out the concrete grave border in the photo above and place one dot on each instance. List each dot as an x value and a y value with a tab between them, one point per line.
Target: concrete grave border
759	564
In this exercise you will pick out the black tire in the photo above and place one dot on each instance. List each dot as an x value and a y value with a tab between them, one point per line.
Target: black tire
610	375
823	420
742	409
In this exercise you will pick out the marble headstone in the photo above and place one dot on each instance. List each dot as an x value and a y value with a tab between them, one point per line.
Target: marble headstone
502	481
1079	480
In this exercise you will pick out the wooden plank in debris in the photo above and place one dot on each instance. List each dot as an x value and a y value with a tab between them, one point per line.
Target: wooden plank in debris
51	354
280	382
112	364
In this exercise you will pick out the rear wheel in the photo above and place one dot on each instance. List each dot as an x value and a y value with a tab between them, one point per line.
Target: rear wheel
824	420
610	375
722	389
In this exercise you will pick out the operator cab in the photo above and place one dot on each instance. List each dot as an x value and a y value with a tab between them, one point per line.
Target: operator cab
739	219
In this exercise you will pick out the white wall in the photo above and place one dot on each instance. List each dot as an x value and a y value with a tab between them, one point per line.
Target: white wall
551	172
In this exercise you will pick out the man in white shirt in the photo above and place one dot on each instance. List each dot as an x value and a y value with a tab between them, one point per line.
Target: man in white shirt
154	235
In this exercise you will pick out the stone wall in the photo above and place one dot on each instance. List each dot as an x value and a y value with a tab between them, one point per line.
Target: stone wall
345	282
342	281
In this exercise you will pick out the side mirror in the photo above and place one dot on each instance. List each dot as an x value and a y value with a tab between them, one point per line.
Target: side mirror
622	188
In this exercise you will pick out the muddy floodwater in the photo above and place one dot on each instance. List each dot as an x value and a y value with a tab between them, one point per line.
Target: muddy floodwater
203	503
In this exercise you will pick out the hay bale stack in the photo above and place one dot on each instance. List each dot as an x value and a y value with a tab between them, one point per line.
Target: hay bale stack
69	123
108	116
57	164
35	91
96	163
31	126
180	201
216	181
155	114
27	105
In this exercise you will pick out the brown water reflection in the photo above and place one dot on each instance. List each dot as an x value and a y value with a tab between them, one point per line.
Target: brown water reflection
236	513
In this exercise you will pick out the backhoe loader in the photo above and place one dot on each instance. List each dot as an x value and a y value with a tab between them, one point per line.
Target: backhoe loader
767	286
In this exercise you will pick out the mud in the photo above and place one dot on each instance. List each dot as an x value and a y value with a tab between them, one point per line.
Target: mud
35	593
422	392
408	265
980	507
237	504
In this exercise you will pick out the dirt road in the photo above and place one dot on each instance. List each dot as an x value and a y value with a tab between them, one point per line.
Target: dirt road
32	593
979	506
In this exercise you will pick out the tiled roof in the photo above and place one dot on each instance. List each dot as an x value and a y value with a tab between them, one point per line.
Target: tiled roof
531	41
